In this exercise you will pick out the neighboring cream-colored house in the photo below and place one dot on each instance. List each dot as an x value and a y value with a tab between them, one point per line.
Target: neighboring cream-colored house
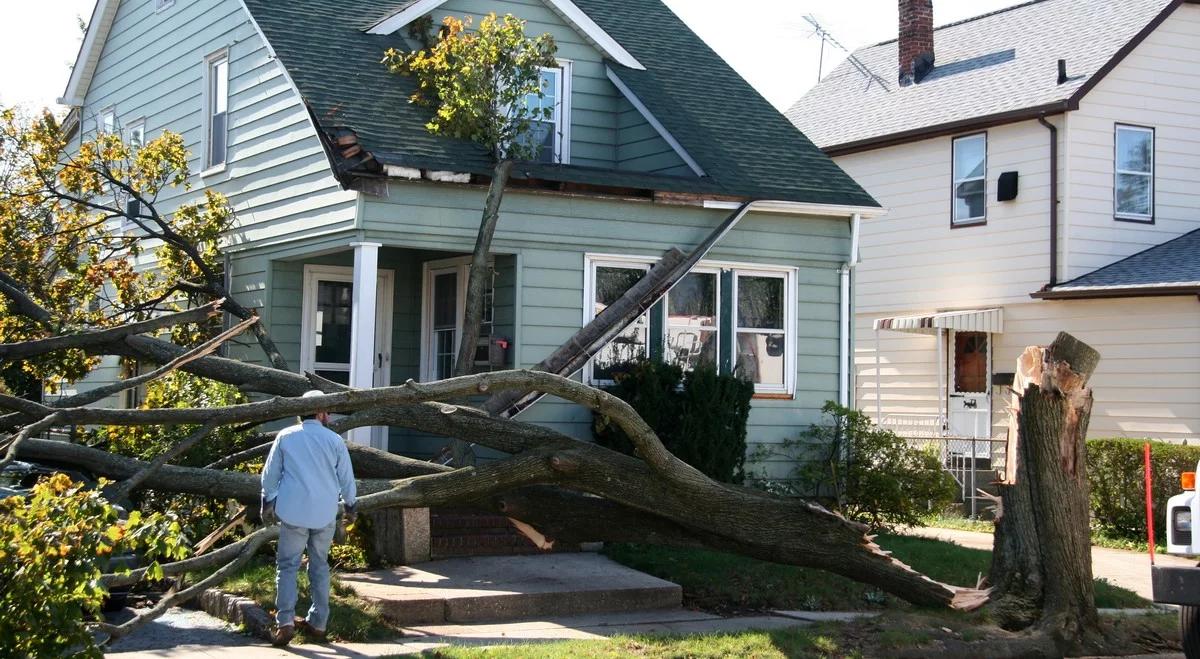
973	261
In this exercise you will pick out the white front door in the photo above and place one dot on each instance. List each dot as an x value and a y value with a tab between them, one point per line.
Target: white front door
970	413
325	327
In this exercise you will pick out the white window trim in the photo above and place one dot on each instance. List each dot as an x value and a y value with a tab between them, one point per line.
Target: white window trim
1137	217
788	273
590	263
955	182
562	112
308	329
429	269
210	61
138	125
163	5
103	122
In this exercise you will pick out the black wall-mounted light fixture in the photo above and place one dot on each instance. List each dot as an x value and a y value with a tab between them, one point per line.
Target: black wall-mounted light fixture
1006	187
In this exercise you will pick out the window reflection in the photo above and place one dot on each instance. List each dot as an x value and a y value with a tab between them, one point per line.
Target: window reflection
692	322
631	344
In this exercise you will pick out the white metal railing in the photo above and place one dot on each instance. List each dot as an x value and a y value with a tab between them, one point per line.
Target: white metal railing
915	425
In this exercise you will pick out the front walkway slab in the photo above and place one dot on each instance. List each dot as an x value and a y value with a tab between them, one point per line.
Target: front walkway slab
501	588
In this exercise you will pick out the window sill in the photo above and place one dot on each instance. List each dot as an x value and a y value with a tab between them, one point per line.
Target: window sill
962	224
1142	219
213	171
773	396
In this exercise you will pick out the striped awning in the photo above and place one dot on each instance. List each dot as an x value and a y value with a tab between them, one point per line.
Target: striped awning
975	320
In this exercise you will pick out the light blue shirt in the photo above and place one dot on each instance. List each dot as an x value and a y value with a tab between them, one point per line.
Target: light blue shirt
306	470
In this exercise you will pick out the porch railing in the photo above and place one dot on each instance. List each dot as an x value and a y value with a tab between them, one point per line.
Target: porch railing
974	462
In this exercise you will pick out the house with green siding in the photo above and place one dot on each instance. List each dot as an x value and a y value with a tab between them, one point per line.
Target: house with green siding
355	224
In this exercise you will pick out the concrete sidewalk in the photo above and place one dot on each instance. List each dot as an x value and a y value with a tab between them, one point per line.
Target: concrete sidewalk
1127	569
226	643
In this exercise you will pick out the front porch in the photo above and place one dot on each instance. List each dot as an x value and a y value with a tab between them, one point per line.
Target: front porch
959	430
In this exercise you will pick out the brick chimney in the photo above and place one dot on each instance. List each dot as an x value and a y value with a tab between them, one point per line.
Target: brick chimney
915	40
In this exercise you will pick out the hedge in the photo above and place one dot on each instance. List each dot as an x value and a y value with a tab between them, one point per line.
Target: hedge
1116	473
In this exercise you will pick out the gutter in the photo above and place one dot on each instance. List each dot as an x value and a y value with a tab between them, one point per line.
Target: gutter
1053	200
1114	292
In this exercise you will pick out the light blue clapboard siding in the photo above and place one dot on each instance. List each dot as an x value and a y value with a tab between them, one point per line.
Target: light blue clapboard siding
551	235
277	177
641	148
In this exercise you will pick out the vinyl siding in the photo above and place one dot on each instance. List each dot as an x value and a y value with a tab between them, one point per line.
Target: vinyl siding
277	177
912	258
1157	85
641	148
1145	385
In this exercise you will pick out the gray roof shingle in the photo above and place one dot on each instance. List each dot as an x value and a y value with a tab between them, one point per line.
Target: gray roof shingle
1175	263
743	144
997	63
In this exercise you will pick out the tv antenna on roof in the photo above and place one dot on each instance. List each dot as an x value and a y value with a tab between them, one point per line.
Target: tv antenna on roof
827	38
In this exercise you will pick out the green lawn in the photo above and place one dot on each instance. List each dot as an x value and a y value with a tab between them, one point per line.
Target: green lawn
1100	537
724	582
796	642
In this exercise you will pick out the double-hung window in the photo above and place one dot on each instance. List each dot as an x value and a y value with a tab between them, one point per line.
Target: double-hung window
1134	174
550	129
135	133
969	191
731	317
216	122
108	120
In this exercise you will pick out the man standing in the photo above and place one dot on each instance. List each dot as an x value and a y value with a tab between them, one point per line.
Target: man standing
306	470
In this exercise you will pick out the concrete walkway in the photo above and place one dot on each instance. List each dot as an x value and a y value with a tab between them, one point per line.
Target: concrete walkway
165	642
1126	569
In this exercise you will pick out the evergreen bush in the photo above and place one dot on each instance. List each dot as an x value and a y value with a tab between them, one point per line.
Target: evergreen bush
699	416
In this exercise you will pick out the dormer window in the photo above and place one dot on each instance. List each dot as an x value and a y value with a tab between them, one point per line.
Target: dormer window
552	134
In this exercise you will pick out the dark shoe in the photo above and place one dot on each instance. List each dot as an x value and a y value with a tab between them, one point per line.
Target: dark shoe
311	632
283	635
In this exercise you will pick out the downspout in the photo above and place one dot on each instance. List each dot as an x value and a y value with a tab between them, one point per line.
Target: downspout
1053	200
844	384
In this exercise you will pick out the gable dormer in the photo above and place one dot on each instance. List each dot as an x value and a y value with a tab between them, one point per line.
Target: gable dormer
596	121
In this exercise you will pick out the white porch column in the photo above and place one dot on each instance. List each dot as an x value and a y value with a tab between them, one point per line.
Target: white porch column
362	326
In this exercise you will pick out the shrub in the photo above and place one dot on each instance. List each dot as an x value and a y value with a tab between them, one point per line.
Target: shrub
866	473
1116	474
700	417
54	543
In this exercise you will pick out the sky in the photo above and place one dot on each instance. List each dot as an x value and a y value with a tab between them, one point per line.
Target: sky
767	41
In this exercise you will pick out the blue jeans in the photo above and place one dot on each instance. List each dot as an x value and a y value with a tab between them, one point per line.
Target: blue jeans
292	542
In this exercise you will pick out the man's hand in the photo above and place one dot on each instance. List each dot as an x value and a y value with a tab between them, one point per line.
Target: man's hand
269	517
350	515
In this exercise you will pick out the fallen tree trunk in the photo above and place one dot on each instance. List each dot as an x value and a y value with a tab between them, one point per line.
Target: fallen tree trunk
1042	563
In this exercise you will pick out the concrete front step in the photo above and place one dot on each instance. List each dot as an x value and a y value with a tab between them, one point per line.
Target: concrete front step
505	588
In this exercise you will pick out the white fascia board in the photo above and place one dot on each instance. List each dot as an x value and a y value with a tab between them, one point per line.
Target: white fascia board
565	8
654	122
802	208
1123	287
89	52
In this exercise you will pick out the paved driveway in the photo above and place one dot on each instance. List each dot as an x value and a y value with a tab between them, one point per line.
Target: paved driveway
1126	569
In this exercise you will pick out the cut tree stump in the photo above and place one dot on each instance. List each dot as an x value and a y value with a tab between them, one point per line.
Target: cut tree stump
1042	563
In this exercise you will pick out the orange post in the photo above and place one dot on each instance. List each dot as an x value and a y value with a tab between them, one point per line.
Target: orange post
1149	504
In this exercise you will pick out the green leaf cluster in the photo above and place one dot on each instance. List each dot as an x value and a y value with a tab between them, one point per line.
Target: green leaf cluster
54	544
1116	476
478	81
867	473
72	238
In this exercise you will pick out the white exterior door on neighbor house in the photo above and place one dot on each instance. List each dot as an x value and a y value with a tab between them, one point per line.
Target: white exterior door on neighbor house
327	310
970	375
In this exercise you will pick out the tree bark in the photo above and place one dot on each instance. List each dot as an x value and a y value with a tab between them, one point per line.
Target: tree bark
1042	562
477	287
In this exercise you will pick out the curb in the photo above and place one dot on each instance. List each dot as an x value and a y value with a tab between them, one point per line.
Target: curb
237	610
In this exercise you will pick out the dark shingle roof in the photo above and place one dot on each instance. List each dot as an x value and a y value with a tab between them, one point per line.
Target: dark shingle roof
743	144
1002	62
1175	263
